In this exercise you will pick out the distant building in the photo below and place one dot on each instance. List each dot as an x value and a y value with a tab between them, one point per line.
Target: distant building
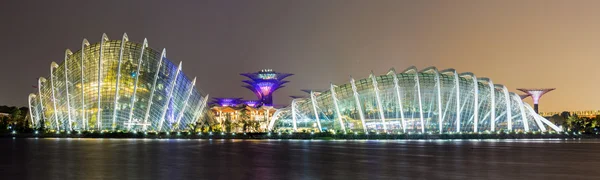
262	83
232	110
589	114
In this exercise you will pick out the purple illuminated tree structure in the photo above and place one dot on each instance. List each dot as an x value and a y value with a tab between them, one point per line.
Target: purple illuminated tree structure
227	101
252	103
264	83
536	94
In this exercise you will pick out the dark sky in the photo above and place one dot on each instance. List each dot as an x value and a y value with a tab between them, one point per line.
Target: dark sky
516	43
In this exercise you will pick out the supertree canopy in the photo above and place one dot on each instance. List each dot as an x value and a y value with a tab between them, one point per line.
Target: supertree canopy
116	85
252	103
264	83
536	94
227	101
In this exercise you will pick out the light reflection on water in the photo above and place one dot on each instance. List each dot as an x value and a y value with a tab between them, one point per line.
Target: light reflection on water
81	158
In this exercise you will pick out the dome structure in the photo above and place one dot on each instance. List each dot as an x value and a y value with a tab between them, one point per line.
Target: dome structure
426	101
116	85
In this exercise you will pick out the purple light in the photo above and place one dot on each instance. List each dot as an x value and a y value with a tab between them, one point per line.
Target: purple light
227	101
264	83
252	103
265	87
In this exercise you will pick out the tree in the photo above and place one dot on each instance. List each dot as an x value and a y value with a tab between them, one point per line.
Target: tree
17	118
228	124
255	126
557	119
244	118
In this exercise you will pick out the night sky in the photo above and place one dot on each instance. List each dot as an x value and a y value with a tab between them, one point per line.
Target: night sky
521	44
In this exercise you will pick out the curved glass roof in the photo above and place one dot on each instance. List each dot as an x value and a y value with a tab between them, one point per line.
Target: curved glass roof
426	101
116	85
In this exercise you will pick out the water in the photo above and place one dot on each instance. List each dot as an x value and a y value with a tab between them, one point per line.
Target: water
298	159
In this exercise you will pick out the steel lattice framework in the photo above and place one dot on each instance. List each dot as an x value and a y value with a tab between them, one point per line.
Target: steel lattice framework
413	101
116	85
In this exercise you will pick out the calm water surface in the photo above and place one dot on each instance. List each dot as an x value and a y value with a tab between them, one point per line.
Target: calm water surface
298	159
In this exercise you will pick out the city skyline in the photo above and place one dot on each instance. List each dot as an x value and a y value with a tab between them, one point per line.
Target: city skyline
520	44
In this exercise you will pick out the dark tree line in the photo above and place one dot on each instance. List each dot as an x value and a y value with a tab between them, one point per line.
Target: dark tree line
574	123
14	119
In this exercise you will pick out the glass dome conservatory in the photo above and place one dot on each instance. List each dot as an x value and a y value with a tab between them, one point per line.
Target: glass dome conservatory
116	85
426	101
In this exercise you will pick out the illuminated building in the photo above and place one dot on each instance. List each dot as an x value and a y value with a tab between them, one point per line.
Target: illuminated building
412	101
232	109
588	114
116	85
536	94
264	83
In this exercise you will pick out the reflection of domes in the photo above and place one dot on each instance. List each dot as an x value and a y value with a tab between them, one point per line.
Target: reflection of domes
122	85
412	101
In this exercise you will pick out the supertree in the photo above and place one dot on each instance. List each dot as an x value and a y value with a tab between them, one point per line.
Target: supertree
263	83
536	94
